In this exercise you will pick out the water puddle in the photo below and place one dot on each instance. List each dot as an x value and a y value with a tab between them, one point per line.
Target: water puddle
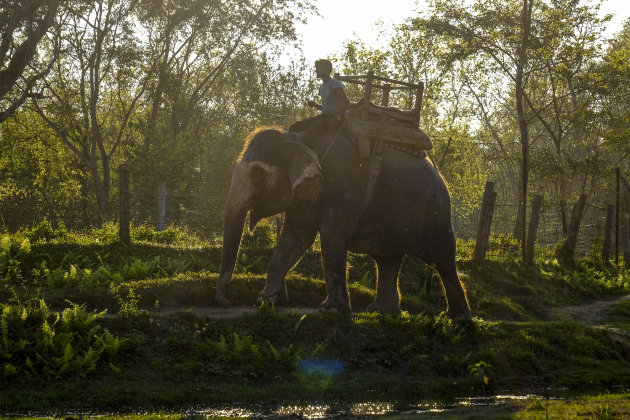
361	409
338	410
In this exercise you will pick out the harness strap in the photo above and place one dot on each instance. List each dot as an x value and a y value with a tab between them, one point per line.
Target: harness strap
375	167
334	139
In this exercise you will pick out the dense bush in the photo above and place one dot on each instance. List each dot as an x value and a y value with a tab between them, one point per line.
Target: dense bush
38	342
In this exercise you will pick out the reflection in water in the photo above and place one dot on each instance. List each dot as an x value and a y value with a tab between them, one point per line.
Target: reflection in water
239	413
494	401
371	409
350	411
304	411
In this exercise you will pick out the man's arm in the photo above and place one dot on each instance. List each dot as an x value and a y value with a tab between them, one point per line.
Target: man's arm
341	96
314	104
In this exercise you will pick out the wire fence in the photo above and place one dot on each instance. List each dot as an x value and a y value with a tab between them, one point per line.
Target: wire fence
552	229
197	204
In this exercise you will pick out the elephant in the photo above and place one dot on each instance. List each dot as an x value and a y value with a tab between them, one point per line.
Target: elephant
320	183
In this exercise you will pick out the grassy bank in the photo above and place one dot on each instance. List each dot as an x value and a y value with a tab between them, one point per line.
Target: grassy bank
90	323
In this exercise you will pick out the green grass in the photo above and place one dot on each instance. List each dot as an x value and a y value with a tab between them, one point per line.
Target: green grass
167	356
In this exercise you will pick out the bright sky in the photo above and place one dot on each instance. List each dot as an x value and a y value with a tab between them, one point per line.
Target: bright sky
342	20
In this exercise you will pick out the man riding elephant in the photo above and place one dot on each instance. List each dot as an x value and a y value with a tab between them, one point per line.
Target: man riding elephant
334	100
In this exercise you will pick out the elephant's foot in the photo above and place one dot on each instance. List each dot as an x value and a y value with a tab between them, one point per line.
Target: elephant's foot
454	313
336	305
275	297
384	308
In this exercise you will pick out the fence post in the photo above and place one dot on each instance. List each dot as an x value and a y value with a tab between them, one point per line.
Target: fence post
626	241
161	210
485	222
124	212
610	212
534	220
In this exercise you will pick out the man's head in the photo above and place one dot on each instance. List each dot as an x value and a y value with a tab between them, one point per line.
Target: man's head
323	68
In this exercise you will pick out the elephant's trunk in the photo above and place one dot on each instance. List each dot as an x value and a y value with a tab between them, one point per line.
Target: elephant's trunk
237	205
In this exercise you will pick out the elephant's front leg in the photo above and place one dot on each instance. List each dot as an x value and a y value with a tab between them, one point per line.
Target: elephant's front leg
334	259
298	233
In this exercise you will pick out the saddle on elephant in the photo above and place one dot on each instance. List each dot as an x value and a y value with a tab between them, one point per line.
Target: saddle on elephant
400	134
374	127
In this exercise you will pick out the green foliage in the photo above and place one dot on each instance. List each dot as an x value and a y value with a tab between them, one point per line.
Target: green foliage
419	353
239	357
71	274
44	231
36	342
263	236
12	251
172	235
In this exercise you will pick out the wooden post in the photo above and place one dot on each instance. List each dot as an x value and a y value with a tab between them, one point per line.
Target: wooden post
485	222
534	220
626	241
610	210
385	99
418	105
124	211
367	93
161	207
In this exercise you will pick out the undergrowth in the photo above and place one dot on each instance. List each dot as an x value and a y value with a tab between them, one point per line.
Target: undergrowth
37	343
154	349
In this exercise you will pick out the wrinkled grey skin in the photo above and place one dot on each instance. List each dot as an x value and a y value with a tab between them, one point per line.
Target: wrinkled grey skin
409	214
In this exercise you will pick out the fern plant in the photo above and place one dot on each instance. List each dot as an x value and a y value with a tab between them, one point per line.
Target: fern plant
38	342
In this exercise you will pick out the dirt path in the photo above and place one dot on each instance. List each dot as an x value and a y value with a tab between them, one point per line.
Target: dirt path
234	311
592	314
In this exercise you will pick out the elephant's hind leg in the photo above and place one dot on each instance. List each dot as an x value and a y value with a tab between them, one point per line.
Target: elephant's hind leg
387	292
457	302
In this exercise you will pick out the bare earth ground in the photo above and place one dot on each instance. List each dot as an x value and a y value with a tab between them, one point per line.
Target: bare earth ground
235	311
593	314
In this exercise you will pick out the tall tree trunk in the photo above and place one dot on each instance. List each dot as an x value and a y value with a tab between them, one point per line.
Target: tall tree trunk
157	95
101	197
566	251
526	16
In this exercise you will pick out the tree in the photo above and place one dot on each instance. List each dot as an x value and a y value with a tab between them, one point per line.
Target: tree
23	24
96	87
522	42
141	78
215	80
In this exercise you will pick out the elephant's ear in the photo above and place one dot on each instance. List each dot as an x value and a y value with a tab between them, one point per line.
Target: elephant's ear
304	170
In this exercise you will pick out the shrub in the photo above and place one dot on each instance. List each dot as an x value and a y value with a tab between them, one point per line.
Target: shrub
172	235
37	342
13	249
45	232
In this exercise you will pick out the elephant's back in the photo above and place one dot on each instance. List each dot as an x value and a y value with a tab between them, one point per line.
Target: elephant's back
410	204
414	181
